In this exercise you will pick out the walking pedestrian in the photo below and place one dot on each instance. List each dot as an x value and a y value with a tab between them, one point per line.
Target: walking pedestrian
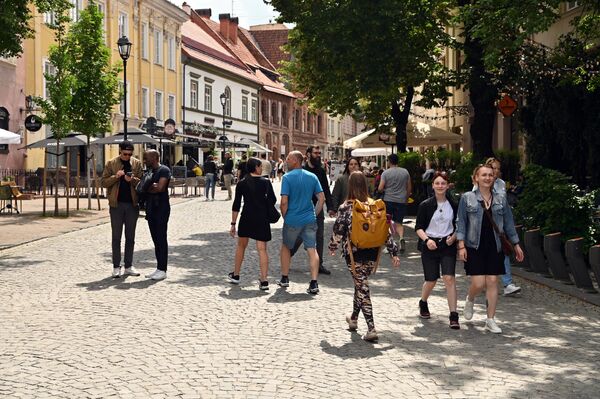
314	165
480	214
299	214
241	168
435	227
210	173
228	174
280	167
158	211
397	187
365	259
257	193
266	166
120	176
340	189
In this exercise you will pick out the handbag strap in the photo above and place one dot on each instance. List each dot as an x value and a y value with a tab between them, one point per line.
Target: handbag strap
491	219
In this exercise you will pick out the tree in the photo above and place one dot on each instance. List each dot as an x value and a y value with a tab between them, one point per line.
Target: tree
14	19
60	87
370	57
97	86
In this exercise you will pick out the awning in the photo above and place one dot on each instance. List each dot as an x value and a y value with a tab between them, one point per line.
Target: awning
7	137
254	146
371	152
72	140
418	134
134	138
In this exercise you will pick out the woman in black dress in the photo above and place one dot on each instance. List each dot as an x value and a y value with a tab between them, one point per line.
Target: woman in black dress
479	245
258	195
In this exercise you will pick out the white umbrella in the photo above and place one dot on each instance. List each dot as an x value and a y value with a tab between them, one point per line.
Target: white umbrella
7	137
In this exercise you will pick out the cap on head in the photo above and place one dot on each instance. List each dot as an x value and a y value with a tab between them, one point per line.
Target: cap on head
126	145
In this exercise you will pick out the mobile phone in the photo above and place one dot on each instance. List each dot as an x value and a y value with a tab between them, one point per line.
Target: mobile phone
129	174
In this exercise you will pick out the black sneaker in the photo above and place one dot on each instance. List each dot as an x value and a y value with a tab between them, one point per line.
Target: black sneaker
454	321
284	281
313	287
322	270
233	279
424	310
402	245
263	286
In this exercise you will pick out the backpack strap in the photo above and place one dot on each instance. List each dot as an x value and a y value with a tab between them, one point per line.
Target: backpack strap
352	263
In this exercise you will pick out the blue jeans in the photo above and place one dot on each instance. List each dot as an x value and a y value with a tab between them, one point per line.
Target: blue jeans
209	182
507	278
307	233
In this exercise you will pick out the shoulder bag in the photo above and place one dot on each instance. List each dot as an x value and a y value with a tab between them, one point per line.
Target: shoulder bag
507	247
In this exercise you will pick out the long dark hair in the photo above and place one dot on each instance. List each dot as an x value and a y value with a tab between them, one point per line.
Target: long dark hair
357	187
252	164
346	172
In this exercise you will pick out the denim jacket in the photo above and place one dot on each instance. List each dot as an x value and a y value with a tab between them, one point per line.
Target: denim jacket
470	216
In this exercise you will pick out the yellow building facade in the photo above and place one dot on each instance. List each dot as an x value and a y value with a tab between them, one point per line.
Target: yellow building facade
153	70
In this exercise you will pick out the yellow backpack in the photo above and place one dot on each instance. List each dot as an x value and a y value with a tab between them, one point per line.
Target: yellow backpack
370	227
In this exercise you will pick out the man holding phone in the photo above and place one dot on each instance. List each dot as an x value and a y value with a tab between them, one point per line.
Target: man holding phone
120	177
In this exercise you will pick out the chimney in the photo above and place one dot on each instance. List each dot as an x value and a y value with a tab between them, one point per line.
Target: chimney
233	27
186	7
204	12
224	25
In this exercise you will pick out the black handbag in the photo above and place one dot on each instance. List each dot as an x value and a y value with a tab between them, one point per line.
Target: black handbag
273	214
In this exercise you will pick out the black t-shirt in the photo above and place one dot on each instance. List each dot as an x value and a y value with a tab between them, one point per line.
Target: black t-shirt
242	168
228	167
210	167
124	193
159	201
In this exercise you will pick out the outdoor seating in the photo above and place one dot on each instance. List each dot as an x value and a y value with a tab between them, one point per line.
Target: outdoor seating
15	194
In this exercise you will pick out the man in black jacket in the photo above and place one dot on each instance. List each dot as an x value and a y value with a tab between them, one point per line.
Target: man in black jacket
313	164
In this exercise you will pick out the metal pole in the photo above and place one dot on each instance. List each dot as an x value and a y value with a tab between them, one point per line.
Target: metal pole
223	153
125	99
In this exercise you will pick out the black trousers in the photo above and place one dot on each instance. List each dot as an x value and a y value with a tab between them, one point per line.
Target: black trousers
125	214
158	220
320	237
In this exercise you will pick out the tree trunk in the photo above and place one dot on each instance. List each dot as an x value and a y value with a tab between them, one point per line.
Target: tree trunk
88	159
401	119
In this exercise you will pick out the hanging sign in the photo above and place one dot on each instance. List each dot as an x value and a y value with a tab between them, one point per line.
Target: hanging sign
507	106
33	123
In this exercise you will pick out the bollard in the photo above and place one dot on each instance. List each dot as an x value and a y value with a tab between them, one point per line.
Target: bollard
536	255
577	265
525	264
595	262
552	250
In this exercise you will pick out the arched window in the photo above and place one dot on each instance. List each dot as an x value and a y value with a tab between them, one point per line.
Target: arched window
284	115
274	113
228	101
309	122
264	111
319	123
286	145
268	140
297	119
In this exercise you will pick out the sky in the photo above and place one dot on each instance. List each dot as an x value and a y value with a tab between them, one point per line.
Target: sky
250	12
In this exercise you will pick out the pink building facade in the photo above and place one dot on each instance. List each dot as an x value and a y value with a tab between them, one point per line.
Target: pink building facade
12	110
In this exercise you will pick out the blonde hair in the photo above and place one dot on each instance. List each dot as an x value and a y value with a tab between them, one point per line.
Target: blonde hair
476	170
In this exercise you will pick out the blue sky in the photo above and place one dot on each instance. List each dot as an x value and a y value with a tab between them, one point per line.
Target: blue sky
250	12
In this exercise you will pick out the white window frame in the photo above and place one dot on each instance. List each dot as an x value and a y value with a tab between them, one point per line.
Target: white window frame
571	5
145	40
193	93
123	24
171	53
76	8
254	109
227	101
172	106
207	97
51	68
158	46
50	18
245	108
145	102
158	105
102	8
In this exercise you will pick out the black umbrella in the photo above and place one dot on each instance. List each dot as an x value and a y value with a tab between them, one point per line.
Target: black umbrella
135	138
72	140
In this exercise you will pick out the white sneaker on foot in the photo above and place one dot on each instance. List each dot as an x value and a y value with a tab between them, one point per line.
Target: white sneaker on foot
468	312
511	289
116	272
371	336
157	275
131	271
491	326
352	324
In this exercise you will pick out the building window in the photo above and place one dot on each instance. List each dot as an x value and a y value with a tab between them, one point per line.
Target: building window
171	53
319	123
253	112
102	9
264	111
50	18
572	5
123	25
158	47
158	105
49	70
144	38
172	107
274	113
284	115
245	108
208	98
76	8
122	104
145	102
194	94
309	122
227	101
297	119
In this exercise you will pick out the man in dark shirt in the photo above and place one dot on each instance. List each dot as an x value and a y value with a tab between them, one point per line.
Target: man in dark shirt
158	211
314	165
120	176
242	167
228	174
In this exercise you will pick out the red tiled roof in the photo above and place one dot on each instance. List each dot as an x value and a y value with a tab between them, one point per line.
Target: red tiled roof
270	39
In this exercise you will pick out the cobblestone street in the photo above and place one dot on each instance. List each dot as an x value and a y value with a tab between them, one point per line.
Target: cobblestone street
69	330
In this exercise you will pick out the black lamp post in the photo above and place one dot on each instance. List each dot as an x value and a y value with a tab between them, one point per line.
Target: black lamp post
223	138
124	51
28	103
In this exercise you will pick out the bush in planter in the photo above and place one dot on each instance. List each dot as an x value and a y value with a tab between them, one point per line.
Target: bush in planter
551	202
462	176
510	164
414	163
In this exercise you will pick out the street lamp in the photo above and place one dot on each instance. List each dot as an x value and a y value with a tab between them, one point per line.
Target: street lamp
124	51
223	138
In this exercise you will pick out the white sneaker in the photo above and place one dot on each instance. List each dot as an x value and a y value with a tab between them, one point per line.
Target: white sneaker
511	289
157	275
491	326
131	271
370	336
468	312
352	324
116	272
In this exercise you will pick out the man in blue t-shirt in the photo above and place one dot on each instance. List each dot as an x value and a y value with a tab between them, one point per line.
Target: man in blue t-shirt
299	214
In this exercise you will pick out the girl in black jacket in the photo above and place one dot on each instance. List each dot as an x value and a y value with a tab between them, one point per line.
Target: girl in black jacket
435	227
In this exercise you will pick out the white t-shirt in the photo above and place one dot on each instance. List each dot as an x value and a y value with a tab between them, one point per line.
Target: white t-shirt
440	224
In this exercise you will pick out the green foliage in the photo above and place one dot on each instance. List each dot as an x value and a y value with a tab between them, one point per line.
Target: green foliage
554	204
97	86
463	175
414	162
510	164
444	159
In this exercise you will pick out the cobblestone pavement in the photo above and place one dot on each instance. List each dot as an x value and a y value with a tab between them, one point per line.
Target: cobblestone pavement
68	330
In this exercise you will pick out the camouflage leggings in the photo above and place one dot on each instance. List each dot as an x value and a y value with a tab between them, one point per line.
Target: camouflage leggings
362	294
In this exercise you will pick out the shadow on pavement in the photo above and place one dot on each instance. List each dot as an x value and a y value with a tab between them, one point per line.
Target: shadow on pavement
355	349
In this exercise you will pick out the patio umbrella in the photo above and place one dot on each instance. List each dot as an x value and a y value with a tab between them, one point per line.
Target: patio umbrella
253	145
135	138
7	137
72	140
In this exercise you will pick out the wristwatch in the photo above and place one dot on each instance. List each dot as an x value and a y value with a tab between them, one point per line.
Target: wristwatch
427	239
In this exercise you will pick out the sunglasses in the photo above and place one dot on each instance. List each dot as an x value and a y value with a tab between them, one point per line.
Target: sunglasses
127	154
